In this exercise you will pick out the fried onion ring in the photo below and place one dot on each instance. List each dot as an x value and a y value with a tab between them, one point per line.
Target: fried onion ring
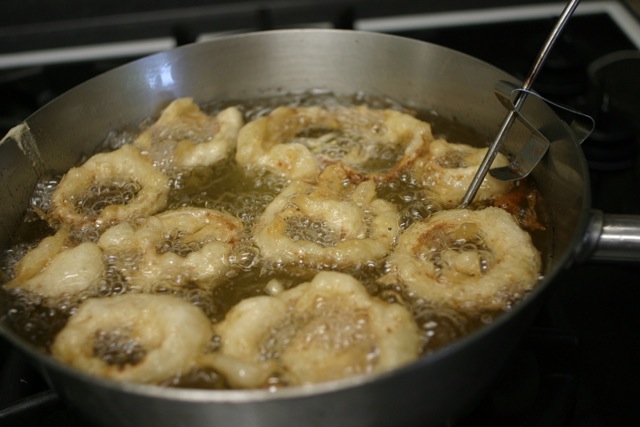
323	330
447	169
56	268
184	137
110	188
331	224
134	337
185	245
466	259
298	143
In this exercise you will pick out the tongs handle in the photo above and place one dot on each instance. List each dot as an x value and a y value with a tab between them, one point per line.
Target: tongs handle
484	167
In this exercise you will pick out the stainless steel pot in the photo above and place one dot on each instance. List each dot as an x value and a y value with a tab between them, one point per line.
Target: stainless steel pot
435	390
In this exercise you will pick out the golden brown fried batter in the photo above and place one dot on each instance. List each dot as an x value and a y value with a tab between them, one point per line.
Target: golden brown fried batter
446	171
298	143
109	188
134	337
184	137
334	223
466	259
323	330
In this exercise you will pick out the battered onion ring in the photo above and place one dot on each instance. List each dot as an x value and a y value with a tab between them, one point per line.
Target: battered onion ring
185	137
446	171
323	330
134	337
331	224
56	268
120	168
185	245
466	259
298	143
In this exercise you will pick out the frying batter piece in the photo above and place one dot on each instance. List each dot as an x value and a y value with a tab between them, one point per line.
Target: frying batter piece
185	137
466	259
323	330
56	267
109	188
446	171
298	143
177	247
334	223
134	337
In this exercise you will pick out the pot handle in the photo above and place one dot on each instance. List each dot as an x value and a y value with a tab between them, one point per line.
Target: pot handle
612	237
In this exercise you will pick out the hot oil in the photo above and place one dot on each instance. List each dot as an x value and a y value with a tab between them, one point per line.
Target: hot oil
99	196
226	187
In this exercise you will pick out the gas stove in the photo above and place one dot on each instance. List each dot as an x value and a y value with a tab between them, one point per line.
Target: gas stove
577	365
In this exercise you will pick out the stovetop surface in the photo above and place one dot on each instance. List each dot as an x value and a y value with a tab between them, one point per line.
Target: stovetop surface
35	24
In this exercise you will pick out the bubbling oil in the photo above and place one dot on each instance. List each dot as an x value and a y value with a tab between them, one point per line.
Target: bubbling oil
97	197
228	188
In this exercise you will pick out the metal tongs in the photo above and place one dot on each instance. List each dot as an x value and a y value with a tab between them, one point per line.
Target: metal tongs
513	98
